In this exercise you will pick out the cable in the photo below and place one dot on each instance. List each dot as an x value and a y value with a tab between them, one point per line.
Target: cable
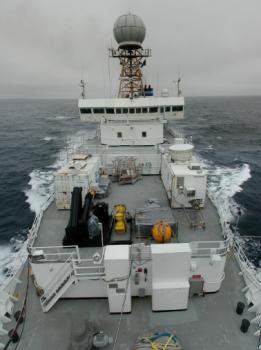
259	339
122	308
22	314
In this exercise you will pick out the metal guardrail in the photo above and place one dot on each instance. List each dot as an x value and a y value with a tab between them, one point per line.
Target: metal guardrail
33	231
88	271
56	253
246	266
36	223
209	248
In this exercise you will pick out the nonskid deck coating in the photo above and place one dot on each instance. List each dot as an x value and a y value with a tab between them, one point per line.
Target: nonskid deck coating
52	229
209	323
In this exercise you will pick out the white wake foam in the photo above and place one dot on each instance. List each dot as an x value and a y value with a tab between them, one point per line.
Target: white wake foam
41	184
48	138
40	187
223	184
62	117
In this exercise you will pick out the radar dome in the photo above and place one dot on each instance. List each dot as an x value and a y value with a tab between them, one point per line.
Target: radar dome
129	31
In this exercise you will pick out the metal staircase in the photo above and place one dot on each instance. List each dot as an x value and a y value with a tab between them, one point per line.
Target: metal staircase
73	269
59	284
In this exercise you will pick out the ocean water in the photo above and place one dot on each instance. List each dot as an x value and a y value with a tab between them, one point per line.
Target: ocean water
35	136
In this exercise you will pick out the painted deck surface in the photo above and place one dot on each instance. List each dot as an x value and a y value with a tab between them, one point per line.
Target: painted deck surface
209	323
53	225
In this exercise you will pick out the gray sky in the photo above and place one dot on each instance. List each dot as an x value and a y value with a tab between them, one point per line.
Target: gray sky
47	46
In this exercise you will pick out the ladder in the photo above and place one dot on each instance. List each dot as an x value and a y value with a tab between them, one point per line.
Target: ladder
59	284
70	272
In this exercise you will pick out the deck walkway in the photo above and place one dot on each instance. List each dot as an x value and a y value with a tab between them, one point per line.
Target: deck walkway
209	323
53	224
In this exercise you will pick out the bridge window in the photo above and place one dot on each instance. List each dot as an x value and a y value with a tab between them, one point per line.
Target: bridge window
119	134
167	109
144	134
109	110
132	110
98	110
144	110
153	109
118	110
125	110
161	109
86	110
177	108
138	110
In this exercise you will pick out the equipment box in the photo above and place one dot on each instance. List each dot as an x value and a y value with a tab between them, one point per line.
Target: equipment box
196	286
170	296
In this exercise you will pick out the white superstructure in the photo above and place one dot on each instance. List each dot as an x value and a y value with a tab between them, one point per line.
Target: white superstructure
131	142
146	108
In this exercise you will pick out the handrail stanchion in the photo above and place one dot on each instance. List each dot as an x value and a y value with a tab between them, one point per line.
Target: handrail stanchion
101	230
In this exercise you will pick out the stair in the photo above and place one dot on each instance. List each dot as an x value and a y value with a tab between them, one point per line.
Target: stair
60	283
70	272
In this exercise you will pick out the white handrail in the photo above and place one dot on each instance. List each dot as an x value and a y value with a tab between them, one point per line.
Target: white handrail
33	231
57	252
246	266
208	248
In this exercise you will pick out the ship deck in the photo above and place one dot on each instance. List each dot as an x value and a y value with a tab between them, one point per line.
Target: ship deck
53	225
210	322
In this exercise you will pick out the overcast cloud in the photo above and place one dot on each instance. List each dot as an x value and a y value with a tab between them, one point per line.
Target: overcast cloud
47	46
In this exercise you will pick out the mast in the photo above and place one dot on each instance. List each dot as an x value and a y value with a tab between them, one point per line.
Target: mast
129	32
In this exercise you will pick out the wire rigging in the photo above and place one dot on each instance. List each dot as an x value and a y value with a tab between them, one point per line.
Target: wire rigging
22	315
122	308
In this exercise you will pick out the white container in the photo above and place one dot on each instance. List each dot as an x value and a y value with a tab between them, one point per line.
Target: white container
170	275
77	173
117	270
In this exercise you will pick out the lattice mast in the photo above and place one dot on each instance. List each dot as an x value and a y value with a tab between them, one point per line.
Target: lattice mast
129	32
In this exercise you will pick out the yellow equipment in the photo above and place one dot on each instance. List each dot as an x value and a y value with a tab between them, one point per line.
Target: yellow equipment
120	225
162	231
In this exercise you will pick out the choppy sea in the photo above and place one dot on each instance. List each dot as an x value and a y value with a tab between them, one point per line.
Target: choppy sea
35	136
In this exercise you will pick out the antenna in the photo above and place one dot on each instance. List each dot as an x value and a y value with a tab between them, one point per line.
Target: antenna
109	76
179	92
82	85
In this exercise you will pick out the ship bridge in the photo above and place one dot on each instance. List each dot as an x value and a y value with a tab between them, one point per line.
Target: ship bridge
146	108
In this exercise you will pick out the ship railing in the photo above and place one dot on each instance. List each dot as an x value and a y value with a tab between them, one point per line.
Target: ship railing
247	268
54	253
86	270
209	248
9	284
178	135
33	231
140	252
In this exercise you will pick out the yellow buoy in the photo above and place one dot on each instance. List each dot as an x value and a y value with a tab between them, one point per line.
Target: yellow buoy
161	231
120	225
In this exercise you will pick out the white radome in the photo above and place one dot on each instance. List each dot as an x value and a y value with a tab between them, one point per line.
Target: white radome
129	31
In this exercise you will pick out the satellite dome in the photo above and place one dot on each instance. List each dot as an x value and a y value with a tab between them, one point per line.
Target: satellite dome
129	31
